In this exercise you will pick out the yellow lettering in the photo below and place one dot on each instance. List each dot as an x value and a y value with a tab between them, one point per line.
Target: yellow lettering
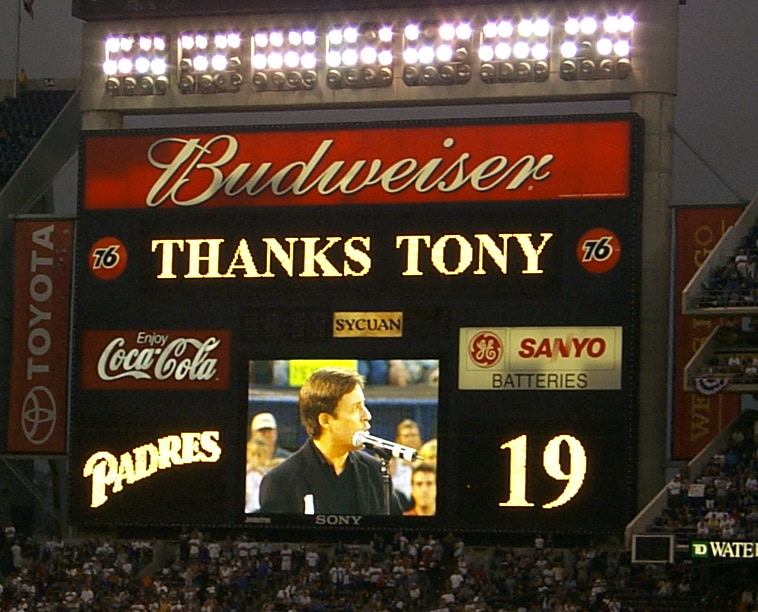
411	268
194	256
167	256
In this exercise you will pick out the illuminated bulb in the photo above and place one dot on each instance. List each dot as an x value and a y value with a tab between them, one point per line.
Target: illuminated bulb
539	51
124	65
261	40
368	55
308	60
611	25
291	59
187	42
572	26
126	44
200	63
489	29
309	38
333	59
541	28
385	58
142	65
486	53
259	61
276	39
110	67
410	56
588	25
444	53
335	37
350	34
621	48
503	51
145	43
275	61
521	50
158	66
447	31
525	28
221	41
604	46
385	34
350	57
463	31
426	55
219	62
112	45
201	42
505	29
295	38
412	32
234	40
626	24
569	49
159	44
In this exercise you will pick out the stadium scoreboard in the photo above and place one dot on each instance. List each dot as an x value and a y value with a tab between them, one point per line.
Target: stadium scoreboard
500	257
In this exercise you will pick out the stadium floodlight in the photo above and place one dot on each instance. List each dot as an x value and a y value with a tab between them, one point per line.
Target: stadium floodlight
596	47
437	52
136	64
359	56
210	62
284	59
514	50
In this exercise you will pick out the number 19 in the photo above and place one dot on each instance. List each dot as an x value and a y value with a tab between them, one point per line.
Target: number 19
551	461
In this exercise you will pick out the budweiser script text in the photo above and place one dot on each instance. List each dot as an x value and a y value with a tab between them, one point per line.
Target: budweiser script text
202	169
174	360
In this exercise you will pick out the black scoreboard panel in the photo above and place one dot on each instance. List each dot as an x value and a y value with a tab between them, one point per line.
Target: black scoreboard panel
175	305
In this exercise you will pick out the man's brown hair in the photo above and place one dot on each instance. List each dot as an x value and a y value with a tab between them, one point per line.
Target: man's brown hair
322	392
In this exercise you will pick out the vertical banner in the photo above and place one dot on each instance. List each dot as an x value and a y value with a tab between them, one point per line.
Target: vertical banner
42	297
696	418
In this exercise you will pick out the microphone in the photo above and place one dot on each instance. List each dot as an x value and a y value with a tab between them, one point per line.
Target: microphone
362	438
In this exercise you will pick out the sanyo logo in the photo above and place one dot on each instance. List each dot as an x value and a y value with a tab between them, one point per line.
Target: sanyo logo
338	519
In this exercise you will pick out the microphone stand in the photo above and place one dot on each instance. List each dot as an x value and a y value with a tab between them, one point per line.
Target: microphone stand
384	468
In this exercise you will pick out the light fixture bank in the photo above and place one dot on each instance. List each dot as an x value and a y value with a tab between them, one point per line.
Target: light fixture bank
490	46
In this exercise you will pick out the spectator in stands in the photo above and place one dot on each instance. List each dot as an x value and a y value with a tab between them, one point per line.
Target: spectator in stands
263	426
423	491
408	434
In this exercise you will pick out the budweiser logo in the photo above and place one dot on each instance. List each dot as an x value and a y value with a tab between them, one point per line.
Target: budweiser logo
195	170
150	360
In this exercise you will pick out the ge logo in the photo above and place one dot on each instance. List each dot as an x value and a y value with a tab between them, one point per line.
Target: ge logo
38	415
107	258
485	349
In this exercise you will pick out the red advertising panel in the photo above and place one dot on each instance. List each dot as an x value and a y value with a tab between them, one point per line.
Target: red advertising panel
446	163
42	290
150	359
696	418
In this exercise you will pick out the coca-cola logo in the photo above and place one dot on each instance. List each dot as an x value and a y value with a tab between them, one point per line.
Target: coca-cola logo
173	361
156	359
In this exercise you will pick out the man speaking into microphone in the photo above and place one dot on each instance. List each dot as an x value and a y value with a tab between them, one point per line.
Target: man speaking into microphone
329	474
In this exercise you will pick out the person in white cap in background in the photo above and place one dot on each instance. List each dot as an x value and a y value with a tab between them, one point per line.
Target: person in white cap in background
263	427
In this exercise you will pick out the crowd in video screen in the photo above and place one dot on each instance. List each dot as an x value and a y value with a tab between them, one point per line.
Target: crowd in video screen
342	437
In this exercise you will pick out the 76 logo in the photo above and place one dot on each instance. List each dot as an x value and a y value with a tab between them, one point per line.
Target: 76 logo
598	250
107	258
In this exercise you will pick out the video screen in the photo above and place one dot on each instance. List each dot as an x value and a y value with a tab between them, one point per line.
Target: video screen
342	437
